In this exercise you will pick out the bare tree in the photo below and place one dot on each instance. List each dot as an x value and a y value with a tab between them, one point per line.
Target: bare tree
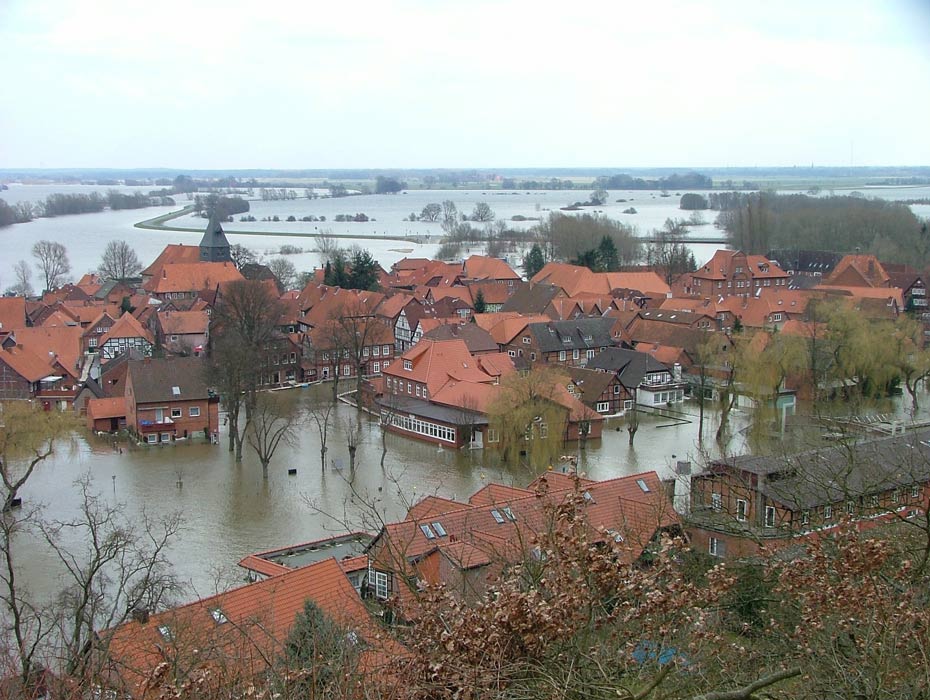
284	271
272	423
119	261
52	262
321	414
353	431
241	255
242	331
124	568
23	276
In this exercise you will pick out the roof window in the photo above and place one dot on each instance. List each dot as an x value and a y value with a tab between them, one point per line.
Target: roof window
176	390
643	485
497	516
165	632
588	497
440	530
219	617
425	529
510	516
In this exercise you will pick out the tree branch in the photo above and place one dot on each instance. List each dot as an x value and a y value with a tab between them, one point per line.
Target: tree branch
746	692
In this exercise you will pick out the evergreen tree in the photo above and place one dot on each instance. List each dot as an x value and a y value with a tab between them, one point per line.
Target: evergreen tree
363	272
480	305
589	259
321	648
607	255
328	274
534	261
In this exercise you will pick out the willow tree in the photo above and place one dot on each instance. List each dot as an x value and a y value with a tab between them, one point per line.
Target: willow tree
530	417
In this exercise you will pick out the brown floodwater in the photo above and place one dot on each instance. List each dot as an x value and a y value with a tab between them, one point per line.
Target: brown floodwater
230	510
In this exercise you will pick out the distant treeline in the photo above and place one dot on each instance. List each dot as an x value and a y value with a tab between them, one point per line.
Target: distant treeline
691	181
59	204
762	221
223	207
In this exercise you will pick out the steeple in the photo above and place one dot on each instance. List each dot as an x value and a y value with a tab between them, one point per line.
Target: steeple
213	246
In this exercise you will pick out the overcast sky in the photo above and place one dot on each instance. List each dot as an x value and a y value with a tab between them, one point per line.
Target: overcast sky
309	84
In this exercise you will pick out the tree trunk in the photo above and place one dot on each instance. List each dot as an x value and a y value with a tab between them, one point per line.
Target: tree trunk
383	446
265	463
323	458
352	449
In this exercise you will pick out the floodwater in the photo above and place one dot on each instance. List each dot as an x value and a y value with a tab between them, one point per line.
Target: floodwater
230	511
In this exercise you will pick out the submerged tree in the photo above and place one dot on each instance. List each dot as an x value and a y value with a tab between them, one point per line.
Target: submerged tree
272	422
52	261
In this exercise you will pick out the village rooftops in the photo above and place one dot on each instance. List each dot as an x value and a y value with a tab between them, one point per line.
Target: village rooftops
834	474
631	365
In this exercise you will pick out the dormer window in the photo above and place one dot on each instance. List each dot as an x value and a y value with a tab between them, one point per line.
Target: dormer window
408	365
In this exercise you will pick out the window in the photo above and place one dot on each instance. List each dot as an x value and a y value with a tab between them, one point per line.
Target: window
381	585
512	353
770	516
590	354
166	437
603	406
915	491
533	356
408	365
376	350
194	411
418	390
643	486
376	367
828	512
850	507
561	356
895	496
439	529
616	388
425	529
409	388
526	340
628	404
165	632
176	412
175	391
493	435
509	513
575	354
385	350
174	339
151	438
776	317
293	358
219	617
346	369
497	516
325	355
741	509
716	501
873	501
365	352
715	547
805	518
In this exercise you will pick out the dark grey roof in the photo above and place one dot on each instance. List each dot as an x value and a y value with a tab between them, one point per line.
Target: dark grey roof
591	382
425	409
531	298
807	261
214	247
580	333
839	473
476	338
155	380
631	366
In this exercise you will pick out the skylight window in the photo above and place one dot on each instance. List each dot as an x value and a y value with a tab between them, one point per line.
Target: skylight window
165	632
219	617
430	535
643	485
588	497
440	530
176	390
498	517
510	516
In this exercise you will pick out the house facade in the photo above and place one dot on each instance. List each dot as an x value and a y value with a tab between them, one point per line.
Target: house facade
168	400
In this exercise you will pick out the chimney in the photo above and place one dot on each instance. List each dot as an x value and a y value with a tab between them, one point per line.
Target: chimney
140	615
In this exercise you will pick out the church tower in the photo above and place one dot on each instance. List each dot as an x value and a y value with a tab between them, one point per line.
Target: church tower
213	246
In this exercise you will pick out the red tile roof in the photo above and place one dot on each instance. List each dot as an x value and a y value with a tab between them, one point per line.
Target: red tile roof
482	267
126	326
107	408
575	279
173	254
183	322
12	313
246	626
26	364
436	362
192	277
59	342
